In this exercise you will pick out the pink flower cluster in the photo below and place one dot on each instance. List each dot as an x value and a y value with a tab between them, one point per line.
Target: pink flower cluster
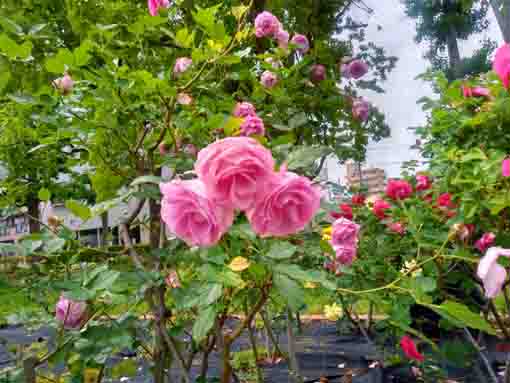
237	173
252	124
72	314
344	240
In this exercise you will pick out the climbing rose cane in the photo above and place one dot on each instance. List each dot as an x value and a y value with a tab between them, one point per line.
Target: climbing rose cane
285	206
234	170
410	350
71	313
492	274
191	215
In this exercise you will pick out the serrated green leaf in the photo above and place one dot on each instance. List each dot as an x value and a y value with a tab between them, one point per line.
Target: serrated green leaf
281	250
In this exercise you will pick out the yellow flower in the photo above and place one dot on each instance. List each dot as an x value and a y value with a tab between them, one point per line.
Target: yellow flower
326	233
239	264
310	285
332	312
411	266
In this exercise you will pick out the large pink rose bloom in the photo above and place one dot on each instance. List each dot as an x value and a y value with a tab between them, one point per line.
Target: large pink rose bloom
492	274
154	6
501	64
398	189
191	215
266	25
286	205
71	313
234	170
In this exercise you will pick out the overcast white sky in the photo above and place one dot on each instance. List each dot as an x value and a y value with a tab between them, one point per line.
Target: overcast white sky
402	88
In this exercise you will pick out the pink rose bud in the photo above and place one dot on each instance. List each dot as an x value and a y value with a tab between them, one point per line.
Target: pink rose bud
182	64
423	182
282	37
318	73
505	167
380	207
155	5
399	190
268	79
164	148
486	241
360	110
397	227
190	149
285	206
172	280
244	109
445	200
252	126
501	64
410	349
357	69
302	43
184	99
266	25
64	84
191	215
71	313
344	233
492	274
234	170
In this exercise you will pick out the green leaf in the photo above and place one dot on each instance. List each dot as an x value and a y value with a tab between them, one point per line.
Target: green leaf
22	98
126	367
55	245
290	291
239	11
298	120
13	50
214	294
79	210
461	316
232	125
146	180
81	54
59	63
305	156
281	250
206	18
5	76
203	324
44	194
184	38
105	280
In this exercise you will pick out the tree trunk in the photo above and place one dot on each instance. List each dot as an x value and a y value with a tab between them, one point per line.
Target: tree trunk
226	372
453	50
501	9
33	211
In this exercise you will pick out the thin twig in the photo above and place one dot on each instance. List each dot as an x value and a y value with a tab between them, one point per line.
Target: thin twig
482	355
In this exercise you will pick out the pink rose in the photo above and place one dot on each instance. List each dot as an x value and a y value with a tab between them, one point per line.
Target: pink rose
360	110
301	41
64	84
182	64
486	241
505	167
423	182
268	79
266	25
492	274
345	255
154	6
501	64
244	109
164	148
357	69
191	215
282	36
190	149
318	73
410	349
399	189
252	125
445	200
235	170
380	207
184	99
477	91
285	206
71	313
344	233
397	227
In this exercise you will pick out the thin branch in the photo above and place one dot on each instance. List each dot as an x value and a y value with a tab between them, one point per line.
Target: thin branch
482	355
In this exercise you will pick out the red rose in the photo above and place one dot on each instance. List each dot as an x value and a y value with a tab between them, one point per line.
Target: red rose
409	348
358	199
398	189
